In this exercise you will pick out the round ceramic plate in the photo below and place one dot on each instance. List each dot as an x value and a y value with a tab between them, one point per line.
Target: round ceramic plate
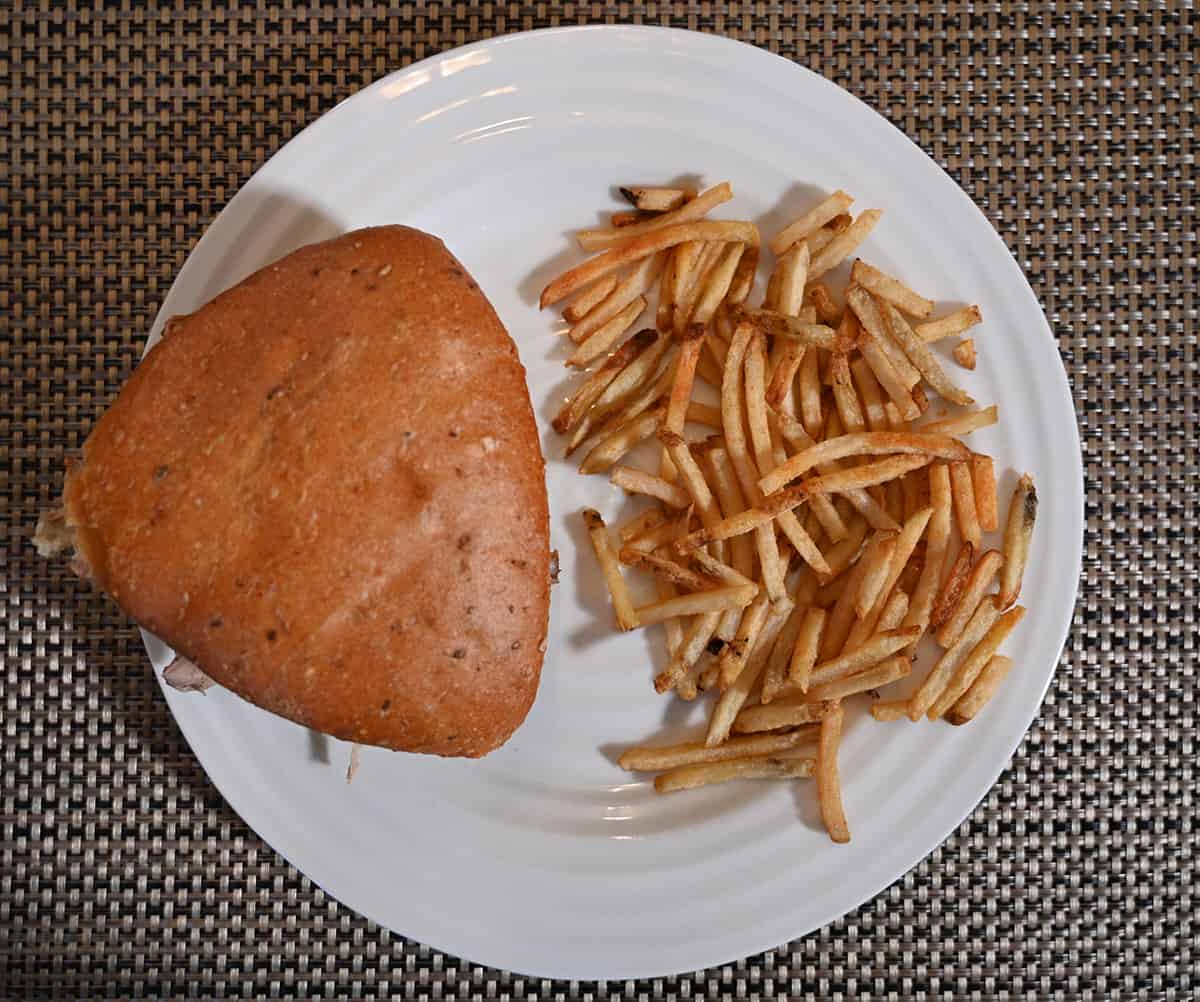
545	858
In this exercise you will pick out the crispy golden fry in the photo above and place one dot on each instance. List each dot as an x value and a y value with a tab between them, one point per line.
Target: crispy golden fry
709	372
886	672
603	339
826	234
804	650
969	670
823	303
869	393
626	616
650	759
688	777
867	475
878	558
829	787
634	481
666	568
734	698
691	281
891	290
609	450
664	589
810	392
963	491
697	603
663	534
894	611
735	654
895	421
779	325
775	675
878	332
719	571
844	397
630	250
963	424
743	278
636	388
983	480
922	358
743	522
697	208
792	269
685	656
589	390
953	323
983	689
810	222
692	477
717	284
627	217
874	650
651	199
891	381
844	244
779	391
964	353
754	372
844	551
681	388
936	681
729	493
936	545
589	299
1018	532
977	583
952	588
831	522
864	443
755	719
841	618
633	286
641	523
890	709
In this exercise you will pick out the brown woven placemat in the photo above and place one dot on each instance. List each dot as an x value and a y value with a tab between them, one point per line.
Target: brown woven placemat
122	133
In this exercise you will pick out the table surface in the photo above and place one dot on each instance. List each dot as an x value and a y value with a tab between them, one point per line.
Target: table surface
122	132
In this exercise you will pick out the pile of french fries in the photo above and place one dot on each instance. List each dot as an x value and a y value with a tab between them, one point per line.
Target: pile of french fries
823	520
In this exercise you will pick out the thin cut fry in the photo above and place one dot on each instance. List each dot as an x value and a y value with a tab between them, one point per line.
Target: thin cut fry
878	332
967	672
841	619
590	389
823	237
876	648
963	424
1018	532
735	654
743	522
729	493
804	651
688	777
867	475
650	199
922	358
692	478
685	656
681	388
938	678
792	270
890	709
755	719
884	673
626	616
891	290
589	299
965	514
611	449
978	582
637	388
878	558
697	208
734	698
964	353
952	588
635	481
869	392
690	281
775	675
892	616
891	381
827	310
649	759
811	221
602	340
829	787
665	568
952	323
633	286
629	250
716	284
983	480
844	396
810	393
779	325
743	278
639	524
937	541
779	395
696	603
844	244
981	691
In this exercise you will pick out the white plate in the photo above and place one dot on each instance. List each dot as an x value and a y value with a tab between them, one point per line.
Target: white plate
545	858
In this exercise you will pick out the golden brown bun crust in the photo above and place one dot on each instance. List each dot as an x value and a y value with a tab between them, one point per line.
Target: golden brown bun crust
325	489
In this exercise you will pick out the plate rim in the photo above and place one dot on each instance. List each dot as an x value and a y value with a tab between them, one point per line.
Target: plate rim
1076	507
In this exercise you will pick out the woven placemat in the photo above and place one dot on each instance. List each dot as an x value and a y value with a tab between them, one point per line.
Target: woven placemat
123	131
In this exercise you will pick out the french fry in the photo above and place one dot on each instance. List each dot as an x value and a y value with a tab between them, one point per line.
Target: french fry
783	377
894	611
610	450
895	421
776	673
643	522
810	393
664	589
651	759
983	480
735	654
952	588
804	650
977	583
693	281
665	568
709	372
963	491
983	689
878	332
795	328
869	393
692	477
634	481
743	522
891	290
686	653
731	701
603	339
971	667
937	542
844	396
681	388
867	475
866	655
589	299
878	558
719	571
663	534
626	615
633	286
863	443
963	424
822	302
810	222
829	788
716	284
756	719
697	208
637	387
627	217
1018	532
922	358
890	709
841	618
743	278
891	381
964	353
939	676
689	777
792	270
823	237
732	503
651	199
589	390
844	244
696	603
952	323
885	673
843	552
630	250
